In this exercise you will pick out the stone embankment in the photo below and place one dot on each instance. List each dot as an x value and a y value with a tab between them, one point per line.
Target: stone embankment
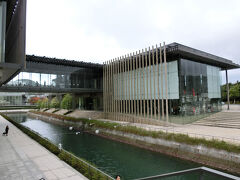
220	159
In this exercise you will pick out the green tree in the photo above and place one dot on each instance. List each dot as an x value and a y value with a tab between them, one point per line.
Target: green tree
54	103
234	92
224	92
45	103
66	102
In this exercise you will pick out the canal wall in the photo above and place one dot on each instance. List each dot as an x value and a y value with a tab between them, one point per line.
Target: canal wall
76	125
218	159
215	158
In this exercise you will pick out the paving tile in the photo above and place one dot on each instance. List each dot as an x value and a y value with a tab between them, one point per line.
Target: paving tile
24	159
50	176
74	178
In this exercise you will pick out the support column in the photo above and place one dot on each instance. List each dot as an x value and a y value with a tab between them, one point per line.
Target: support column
228	100
134	84
154	82
114	89
111	86
158	93
147	71
125	79
121	86
144	84
118	88
140	78
150	79
128	62
131	81
166	82
137	89
104	88
161	64
107	85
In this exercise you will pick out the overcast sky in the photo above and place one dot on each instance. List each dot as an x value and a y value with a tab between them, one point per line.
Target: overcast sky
99	30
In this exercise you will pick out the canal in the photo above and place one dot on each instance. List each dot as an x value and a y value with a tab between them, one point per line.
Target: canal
110	156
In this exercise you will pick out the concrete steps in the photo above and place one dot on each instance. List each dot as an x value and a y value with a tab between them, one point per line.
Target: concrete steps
221	119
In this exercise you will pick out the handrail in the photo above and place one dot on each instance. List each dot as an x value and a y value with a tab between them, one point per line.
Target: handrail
199	169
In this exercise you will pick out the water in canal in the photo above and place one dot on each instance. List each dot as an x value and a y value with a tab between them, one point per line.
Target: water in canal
110	156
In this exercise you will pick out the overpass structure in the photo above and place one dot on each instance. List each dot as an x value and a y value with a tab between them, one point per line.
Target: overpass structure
51	75
59	76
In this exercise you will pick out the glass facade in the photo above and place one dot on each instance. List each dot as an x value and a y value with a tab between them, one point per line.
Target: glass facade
2	29
84	83
140	80
199	88
12	99
84	78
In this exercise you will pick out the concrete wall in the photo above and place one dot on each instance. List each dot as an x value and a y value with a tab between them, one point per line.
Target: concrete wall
199	149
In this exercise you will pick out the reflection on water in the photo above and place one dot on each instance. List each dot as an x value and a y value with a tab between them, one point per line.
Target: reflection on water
110	156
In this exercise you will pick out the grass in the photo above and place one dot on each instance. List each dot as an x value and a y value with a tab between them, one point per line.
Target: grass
180	138
84	167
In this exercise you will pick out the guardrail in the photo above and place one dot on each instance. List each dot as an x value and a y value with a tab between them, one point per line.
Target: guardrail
202	171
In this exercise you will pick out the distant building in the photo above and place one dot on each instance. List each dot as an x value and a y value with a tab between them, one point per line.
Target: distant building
12	99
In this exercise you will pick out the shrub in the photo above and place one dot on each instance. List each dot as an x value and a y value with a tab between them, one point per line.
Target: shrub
55	103
45	103
67	102
39	102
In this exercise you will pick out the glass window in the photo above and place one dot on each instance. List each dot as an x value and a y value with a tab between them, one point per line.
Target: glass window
200	88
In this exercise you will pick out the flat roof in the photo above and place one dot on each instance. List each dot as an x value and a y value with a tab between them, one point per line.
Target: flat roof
63	62
183	51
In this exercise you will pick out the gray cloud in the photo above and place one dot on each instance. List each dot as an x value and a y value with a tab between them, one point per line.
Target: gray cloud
106	29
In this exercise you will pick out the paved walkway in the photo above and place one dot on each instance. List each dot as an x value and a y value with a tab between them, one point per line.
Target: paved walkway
230	135
21	158
232	108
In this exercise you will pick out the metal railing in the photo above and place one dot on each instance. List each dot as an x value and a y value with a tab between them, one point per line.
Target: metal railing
201	171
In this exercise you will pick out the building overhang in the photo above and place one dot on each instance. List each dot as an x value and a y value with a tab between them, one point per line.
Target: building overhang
181	51
15	35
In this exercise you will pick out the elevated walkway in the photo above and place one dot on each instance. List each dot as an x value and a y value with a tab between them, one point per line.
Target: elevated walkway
23	158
